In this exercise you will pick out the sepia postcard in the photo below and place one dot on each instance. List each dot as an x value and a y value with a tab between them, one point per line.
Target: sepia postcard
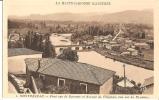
80	49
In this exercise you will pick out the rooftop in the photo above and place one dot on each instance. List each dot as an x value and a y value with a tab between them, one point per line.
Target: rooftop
141	44
21	51
70	70
148	81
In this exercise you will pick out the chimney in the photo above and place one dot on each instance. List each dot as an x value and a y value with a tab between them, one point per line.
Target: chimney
38	65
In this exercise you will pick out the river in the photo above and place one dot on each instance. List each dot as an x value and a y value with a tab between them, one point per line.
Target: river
91	57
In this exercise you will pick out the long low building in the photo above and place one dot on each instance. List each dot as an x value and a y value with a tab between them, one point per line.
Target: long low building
79	78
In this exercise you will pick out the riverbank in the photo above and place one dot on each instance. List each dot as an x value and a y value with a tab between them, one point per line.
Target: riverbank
128	60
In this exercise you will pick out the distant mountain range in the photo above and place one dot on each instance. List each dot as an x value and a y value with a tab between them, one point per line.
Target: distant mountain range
128	16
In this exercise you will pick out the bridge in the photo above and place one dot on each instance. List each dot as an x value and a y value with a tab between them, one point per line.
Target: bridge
73	45
60	48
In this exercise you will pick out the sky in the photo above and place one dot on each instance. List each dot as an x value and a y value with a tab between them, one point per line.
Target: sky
28	7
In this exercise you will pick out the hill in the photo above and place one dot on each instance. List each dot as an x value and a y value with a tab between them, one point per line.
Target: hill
129	16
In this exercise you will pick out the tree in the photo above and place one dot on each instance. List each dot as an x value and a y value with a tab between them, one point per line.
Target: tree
49	50
40	42
69	54
28	40
34	45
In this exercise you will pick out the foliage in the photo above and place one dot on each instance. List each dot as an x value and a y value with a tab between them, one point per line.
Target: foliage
49	50
69	54
39	42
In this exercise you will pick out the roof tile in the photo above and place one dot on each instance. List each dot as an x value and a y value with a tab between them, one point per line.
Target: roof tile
70	70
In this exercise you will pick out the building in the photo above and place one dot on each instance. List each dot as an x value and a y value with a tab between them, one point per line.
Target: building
132	51
14	36
77	78
148	86
142	46
103	43
101	38
151	43
15	40
125	53
112	46
16	58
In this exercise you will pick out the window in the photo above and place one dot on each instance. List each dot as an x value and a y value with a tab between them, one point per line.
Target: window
42	76
61	82
83	88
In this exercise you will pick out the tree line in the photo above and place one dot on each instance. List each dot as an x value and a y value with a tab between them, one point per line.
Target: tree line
134	31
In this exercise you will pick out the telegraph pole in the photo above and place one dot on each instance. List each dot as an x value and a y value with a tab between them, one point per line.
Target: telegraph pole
124	76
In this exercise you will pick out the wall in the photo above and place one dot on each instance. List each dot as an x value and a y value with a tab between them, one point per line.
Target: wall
16	64
91	88
73	85
107	87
